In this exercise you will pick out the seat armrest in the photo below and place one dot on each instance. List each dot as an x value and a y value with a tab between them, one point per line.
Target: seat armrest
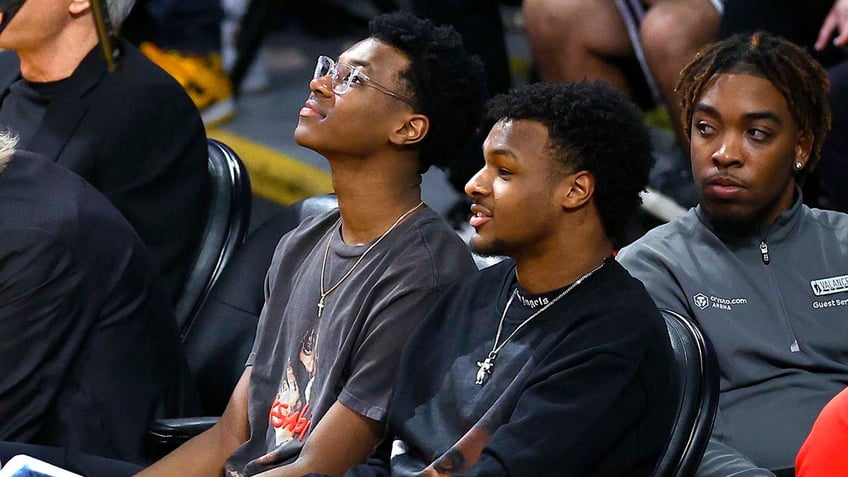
165	435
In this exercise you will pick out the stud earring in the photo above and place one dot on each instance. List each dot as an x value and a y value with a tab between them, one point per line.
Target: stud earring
798	166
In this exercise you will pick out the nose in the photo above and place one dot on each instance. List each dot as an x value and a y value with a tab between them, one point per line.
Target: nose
322	85
477	186
729	152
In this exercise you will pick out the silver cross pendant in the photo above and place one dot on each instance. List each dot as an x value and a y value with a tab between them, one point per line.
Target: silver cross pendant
320	306
484	369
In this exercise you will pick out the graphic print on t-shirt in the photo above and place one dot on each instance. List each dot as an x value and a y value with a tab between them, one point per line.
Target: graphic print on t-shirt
290	416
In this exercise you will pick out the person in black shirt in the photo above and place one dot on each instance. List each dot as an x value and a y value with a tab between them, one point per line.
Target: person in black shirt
133	134
554	362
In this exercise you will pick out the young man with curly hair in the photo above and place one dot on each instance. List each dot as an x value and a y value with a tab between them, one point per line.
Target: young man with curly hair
347	287
554	362
765	276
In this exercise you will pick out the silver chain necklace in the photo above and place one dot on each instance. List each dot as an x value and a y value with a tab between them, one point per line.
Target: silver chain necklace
486	366
325	293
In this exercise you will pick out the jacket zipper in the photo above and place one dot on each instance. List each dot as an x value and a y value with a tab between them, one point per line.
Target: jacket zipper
764	253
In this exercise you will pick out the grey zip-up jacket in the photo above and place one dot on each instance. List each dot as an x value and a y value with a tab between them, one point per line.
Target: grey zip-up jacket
775	307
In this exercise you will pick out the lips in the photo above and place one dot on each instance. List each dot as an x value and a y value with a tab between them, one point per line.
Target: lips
310	109
479	215
724	187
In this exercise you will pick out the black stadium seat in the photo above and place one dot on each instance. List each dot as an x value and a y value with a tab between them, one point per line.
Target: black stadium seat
699	389
226	226
221	335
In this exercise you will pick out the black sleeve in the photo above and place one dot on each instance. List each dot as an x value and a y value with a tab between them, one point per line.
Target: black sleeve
43	323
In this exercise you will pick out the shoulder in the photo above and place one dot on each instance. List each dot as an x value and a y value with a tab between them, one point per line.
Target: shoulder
613	314
662	249
35	192
298	242
476	290
136	68
32	254
616	292
142	85
828	220
664	238
430	250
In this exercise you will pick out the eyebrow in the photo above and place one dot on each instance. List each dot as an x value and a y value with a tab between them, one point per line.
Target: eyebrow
503	151
752	116
361	63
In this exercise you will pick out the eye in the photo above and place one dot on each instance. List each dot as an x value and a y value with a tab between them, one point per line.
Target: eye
343	74
504	172
758	134
704	129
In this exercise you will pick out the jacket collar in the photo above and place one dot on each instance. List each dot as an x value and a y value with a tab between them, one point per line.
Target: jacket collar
785	223
88	73
64	113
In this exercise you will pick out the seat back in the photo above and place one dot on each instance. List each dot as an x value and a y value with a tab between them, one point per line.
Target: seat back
698	380
227	222
220	338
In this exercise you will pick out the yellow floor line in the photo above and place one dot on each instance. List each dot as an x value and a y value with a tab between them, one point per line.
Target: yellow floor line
275	176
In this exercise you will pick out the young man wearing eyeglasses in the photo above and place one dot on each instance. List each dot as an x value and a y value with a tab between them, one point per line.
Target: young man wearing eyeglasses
346	288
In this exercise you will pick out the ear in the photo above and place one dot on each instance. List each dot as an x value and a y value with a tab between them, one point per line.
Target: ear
412	131
804	147
79	7
576	189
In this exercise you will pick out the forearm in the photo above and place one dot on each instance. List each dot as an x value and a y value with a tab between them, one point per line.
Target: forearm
722	461
341	440
204	455
207	453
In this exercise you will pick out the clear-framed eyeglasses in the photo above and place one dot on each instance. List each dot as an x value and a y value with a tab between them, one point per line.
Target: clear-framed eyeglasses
344	76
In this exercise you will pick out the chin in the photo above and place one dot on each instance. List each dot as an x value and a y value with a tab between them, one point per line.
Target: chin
303	137
486	248
731	221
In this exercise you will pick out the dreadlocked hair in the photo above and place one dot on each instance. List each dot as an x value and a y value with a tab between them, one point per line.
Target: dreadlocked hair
799	78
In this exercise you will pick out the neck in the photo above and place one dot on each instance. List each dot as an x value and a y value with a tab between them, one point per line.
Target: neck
569	257
373	194
59	57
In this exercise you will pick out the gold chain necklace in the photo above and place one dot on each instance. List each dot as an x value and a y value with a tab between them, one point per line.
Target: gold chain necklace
325	293
486	366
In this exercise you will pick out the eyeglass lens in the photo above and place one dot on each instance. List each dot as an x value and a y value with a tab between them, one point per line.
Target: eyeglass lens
341	74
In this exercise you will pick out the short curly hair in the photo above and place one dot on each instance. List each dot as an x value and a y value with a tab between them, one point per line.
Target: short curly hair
446	81
799	78
593	127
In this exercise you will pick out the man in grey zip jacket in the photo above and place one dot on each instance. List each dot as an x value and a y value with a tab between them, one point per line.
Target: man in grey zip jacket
765	276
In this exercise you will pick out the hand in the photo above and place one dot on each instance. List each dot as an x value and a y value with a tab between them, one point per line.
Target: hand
835	22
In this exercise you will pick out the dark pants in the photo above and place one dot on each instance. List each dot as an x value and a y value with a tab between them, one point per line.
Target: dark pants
83	464
833	170
190	26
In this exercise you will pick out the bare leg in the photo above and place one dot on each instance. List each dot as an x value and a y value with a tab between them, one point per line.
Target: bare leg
576	39
671	33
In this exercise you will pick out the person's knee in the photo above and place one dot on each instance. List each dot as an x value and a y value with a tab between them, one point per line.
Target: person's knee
671	33
551	20
593	26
